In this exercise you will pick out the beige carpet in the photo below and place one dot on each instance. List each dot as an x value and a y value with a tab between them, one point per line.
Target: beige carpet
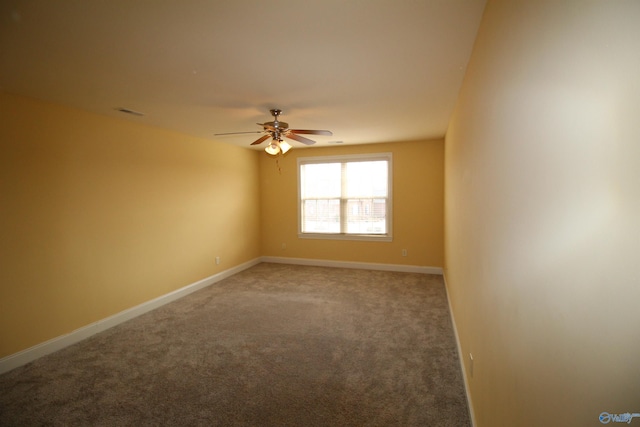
275	345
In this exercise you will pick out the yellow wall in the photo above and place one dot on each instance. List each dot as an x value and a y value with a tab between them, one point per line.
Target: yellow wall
542	185
99	214
418	172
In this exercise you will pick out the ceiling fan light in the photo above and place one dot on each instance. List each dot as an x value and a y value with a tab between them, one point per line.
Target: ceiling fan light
272	148
284	146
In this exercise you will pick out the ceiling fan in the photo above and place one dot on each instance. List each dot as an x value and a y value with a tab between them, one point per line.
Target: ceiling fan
277	130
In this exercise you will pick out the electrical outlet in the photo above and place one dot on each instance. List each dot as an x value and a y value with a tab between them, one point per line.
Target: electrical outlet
217	260
471	365
404	252
284	246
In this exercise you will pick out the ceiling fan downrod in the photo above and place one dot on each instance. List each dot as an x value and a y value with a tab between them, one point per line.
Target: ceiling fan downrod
275	124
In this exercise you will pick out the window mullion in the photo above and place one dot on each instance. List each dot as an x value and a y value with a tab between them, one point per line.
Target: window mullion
343	198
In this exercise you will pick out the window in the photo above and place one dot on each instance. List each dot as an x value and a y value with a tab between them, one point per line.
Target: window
345	197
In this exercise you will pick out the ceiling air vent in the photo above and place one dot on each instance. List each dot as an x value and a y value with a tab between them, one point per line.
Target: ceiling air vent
128	111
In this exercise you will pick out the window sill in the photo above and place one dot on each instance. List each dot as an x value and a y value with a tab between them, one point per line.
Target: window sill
341	236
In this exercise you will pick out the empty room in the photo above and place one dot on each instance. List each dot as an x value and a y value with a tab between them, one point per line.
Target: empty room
411	213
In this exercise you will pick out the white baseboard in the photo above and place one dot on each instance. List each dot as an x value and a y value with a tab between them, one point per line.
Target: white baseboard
350	264
30	354
460	356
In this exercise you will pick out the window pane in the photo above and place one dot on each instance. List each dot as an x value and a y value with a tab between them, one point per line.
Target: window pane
366	179
366	216
321	216
320	180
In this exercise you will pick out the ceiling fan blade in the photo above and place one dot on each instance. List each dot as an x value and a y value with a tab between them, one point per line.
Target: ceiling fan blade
261	139
299	138
236	133
311	132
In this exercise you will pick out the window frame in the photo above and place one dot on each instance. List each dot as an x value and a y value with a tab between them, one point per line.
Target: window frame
348	158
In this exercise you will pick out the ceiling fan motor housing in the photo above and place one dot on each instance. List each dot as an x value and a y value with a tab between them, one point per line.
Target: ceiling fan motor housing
278	125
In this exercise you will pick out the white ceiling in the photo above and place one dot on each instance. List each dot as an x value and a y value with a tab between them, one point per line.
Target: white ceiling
368	70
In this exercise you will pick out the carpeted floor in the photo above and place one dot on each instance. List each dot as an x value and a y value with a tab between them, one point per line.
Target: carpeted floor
275	345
